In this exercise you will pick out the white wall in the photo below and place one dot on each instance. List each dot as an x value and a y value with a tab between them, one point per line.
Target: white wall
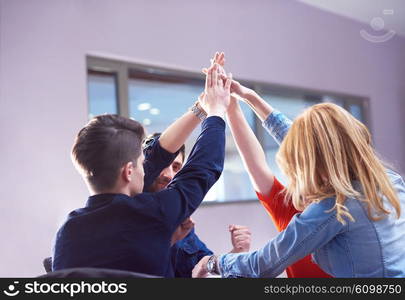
43	92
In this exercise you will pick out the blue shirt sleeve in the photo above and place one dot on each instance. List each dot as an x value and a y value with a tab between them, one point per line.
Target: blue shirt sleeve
308	231
190	185
277	124
156	159
185	254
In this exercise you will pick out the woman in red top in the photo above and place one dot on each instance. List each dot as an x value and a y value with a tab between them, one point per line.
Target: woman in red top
269	190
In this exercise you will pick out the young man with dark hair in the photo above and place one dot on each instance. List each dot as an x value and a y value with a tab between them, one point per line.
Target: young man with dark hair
187	249
122	227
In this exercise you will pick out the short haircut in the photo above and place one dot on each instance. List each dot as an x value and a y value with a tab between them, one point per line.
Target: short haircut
182	148
104	146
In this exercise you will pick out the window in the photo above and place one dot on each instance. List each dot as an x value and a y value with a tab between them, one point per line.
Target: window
102	93
157	96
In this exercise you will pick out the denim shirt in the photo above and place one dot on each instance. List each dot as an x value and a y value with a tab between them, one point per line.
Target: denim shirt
363	248
186	253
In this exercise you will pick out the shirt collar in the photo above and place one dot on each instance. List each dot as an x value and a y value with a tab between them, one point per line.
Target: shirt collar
103	199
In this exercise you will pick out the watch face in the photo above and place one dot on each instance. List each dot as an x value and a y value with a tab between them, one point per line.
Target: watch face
210	264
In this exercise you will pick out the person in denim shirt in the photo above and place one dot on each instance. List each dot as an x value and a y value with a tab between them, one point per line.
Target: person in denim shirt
351	204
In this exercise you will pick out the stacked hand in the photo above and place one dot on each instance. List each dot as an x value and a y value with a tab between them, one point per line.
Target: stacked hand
217	92
236	87
241	239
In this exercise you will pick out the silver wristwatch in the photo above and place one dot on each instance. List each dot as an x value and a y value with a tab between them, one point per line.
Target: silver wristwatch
199	112
212	265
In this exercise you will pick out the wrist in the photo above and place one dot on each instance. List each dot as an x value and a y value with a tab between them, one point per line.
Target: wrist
216	111
246	92
212	265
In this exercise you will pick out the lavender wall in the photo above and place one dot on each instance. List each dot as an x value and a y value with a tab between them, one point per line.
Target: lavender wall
43	92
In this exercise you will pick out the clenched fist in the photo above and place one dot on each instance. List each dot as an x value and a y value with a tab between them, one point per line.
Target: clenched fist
183	230
241	238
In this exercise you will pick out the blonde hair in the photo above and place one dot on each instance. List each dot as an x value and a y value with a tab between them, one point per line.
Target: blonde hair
325	150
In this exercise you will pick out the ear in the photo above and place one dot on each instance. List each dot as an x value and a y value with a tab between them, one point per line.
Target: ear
127	171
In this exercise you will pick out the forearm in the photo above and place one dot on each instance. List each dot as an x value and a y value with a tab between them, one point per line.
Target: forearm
250	150
202	169
177	133
258	104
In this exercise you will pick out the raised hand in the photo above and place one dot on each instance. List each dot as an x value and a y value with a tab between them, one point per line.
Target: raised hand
236	87
217	93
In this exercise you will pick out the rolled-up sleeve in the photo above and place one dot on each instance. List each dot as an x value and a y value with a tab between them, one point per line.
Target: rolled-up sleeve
277	124
306	232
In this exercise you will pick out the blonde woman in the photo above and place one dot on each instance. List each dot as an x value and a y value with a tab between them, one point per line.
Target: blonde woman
350	204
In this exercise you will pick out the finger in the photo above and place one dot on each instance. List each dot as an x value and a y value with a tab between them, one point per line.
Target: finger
241	238
222	72
201	96
244	233
240	227
221	59
204	70
215	75
187	222
228	82
241	230
187	227
216	56
223	76
208	79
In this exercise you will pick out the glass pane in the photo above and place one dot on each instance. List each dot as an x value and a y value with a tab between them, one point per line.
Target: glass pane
289	106
357	111
271	160
102	94
157	104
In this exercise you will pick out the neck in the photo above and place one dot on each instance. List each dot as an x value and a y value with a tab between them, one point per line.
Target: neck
115	190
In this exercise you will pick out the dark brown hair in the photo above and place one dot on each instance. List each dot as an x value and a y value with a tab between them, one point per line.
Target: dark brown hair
103	146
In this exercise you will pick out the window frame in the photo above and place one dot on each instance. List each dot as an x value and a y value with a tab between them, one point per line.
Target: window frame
122	69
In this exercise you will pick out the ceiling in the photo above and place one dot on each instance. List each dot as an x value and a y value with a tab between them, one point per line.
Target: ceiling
391	12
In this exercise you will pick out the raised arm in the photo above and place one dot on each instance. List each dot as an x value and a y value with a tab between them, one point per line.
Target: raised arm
160	152
205	163
276	123
177	133
250	150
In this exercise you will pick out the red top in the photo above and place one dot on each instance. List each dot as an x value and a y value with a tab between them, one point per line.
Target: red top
281	213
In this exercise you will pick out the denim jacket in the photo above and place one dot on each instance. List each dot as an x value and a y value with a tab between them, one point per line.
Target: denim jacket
363	248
